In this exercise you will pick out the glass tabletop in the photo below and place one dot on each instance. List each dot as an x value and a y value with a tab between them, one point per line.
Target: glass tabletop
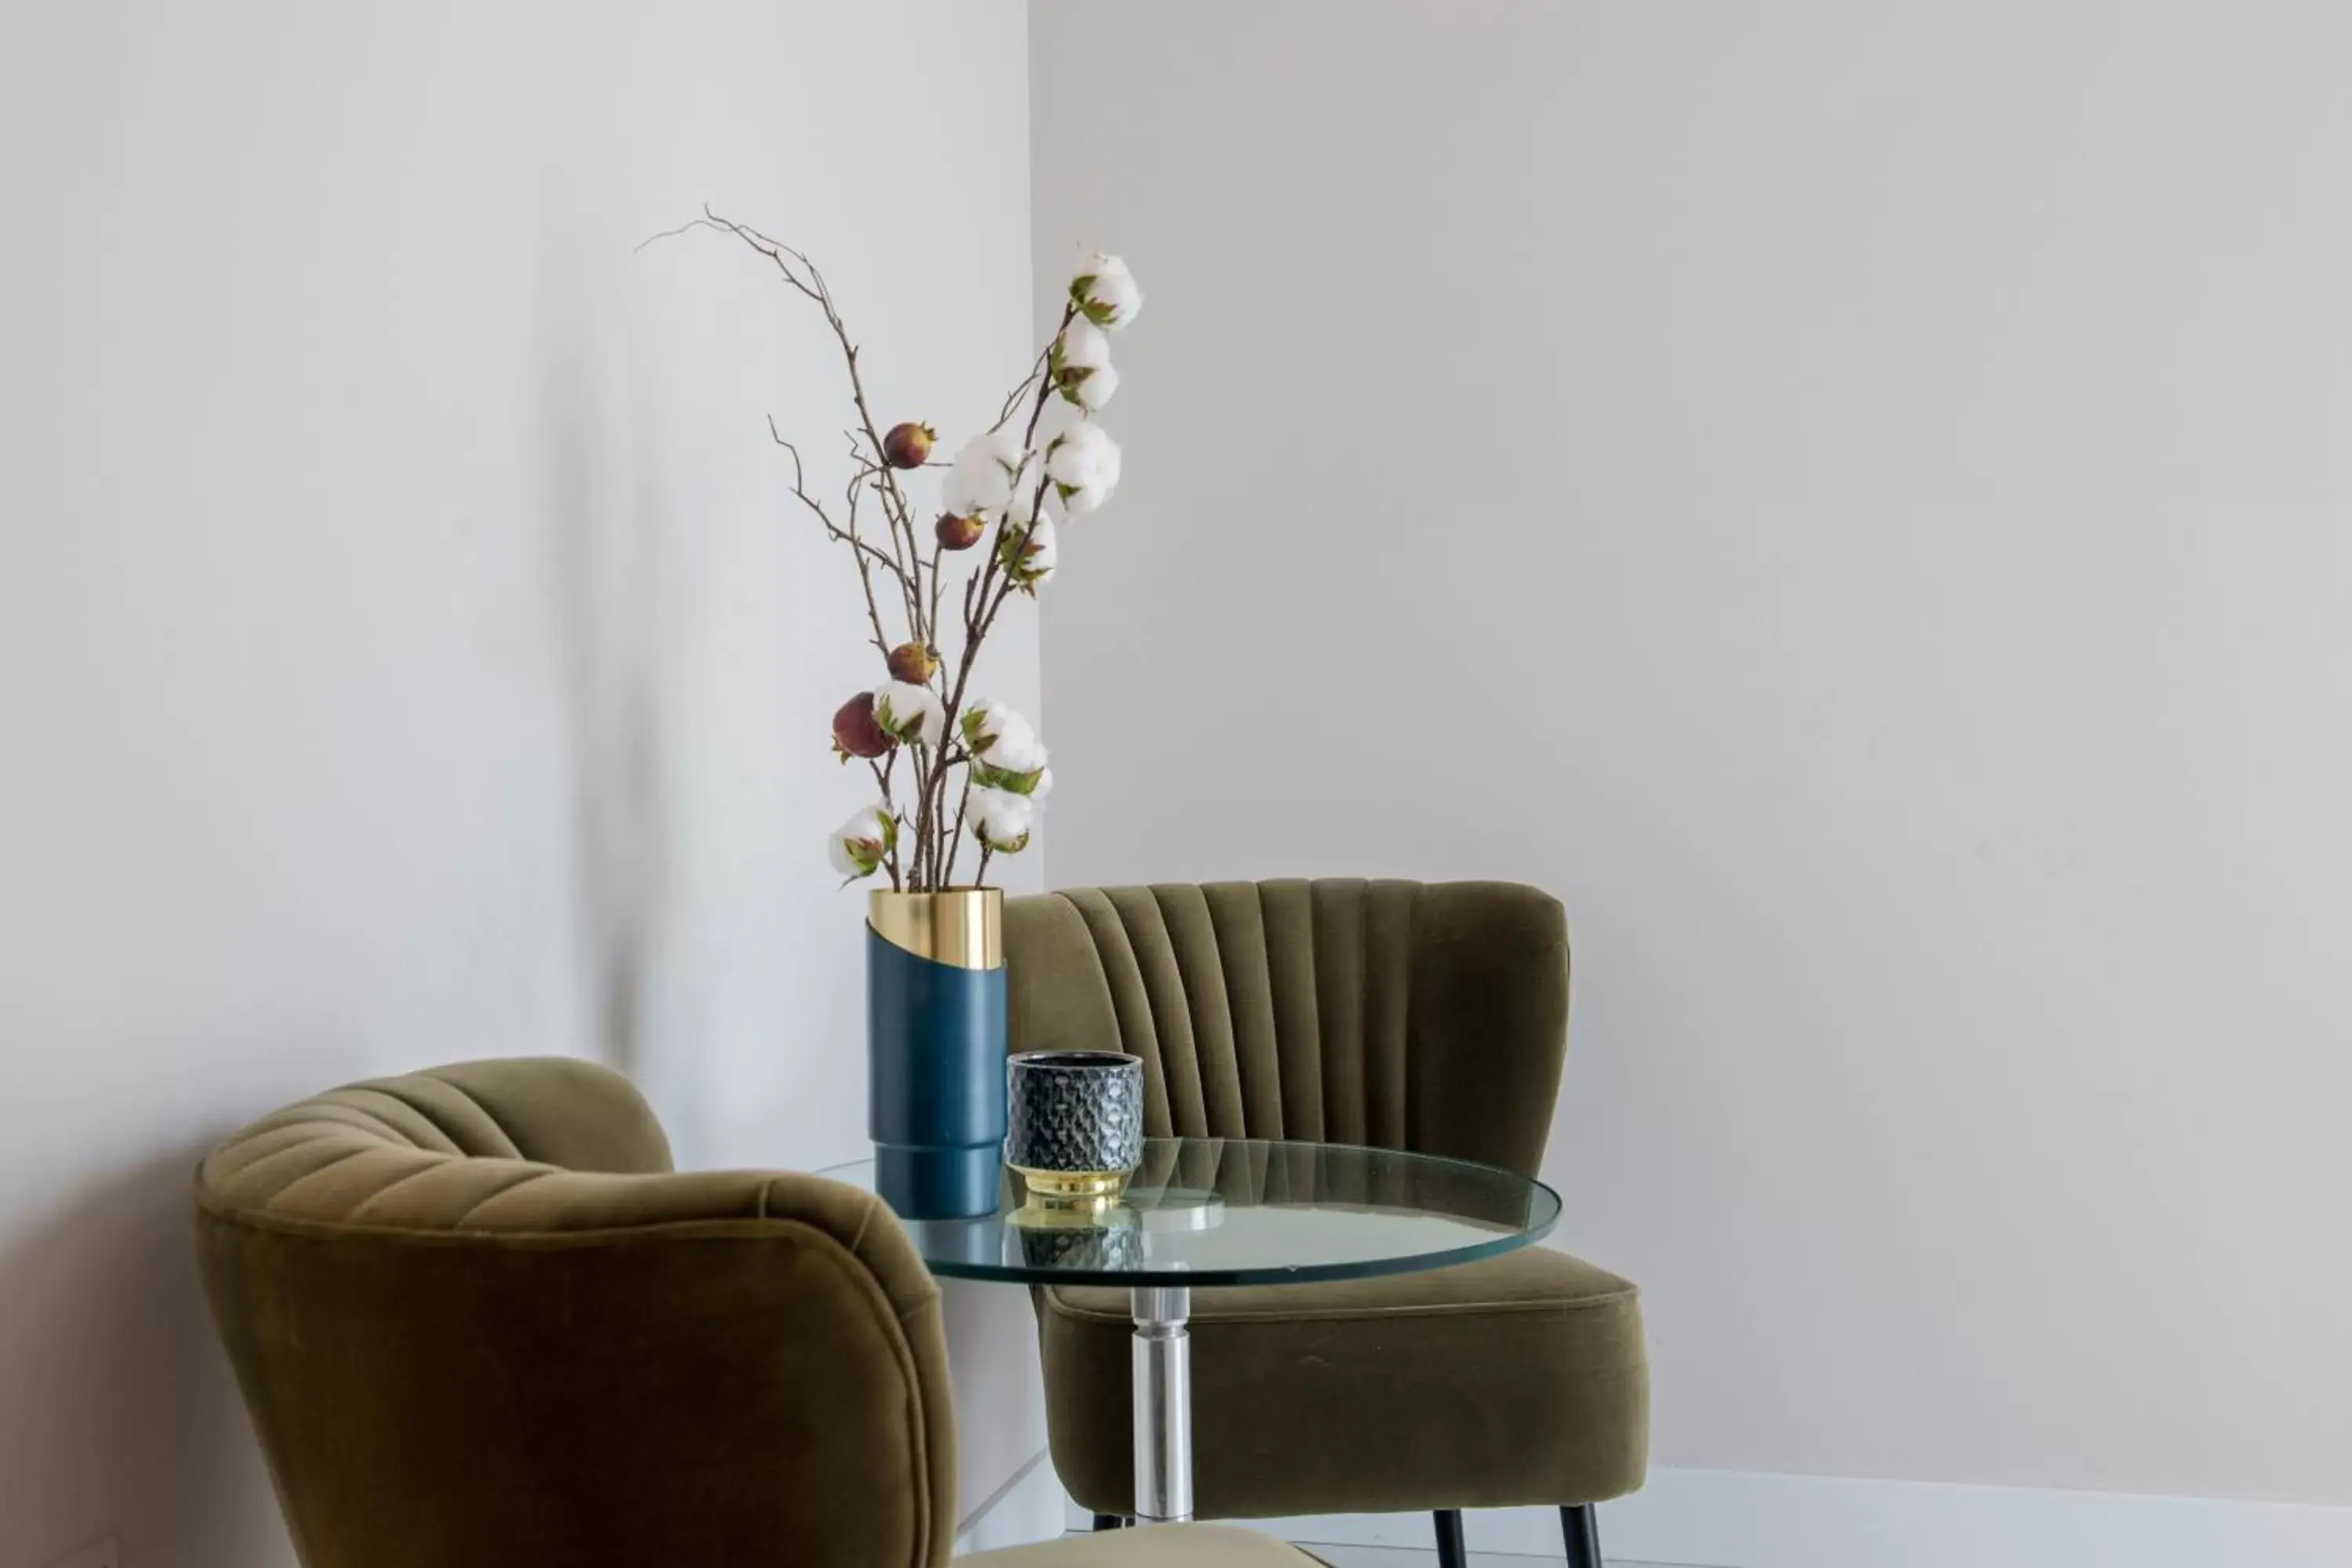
1245	1210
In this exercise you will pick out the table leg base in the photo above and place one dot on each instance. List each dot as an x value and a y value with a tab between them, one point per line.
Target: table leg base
1163	1404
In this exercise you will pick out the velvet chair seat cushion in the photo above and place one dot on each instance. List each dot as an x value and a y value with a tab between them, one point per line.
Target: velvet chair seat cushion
1428	1016
1516	1380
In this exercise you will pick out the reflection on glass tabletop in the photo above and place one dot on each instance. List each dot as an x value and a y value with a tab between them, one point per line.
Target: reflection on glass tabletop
1245	1211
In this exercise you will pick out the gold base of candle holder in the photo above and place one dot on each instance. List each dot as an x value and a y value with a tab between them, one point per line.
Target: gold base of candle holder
1067	1199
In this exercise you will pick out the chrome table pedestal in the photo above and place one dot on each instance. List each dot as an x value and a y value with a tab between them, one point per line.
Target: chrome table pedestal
1206	1213
1162	1404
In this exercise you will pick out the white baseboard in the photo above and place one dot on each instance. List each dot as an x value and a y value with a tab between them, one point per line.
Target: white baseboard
1734	1519
1030	1508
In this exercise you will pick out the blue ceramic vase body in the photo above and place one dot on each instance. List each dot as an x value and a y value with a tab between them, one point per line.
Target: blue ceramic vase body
935	1051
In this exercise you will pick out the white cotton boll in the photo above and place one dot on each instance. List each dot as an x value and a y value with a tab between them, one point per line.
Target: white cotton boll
1081	361
858	845
975	486
1004	740
1019	751
1083	464
980	479
1106	291
1043	787
1027	557
984	720
1071	458
1083	499
911	712
988	726
1095	390
1083	456
1084	346
1001	819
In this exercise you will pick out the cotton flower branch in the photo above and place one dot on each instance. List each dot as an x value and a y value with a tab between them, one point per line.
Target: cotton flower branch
980	769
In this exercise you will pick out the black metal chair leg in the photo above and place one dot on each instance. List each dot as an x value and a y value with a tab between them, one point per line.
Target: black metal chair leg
1583	1535
1110	1521
1450	1550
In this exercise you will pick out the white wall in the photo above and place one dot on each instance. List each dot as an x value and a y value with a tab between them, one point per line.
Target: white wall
407	649
1854	498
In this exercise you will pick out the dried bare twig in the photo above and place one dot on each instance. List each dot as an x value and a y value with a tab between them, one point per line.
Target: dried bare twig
928	862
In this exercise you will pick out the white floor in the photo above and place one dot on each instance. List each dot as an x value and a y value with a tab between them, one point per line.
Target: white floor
1400	1557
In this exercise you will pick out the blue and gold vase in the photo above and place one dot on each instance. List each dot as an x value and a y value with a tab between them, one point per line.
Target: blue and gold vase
935	1050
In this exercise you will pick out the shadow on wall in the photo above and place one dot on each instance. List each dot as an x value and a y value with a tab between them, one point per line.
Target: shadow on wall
610	591
116	1402
118	1410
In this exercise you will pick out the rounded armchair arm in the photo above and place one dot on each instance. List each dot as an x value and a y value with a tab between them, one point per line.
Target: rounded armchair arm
463	1355
559	1111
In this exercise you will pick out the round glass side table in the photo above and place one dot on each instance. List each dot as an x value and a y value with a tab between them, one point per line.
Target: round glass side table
1231	1211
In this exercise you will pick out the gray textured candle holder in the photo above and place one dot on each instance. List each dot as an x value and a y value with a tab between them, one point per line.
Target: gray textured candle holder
1074	1123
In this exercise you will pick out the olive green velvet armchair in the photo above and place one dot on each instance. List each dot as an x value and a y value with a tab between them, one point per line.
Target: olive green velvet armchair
1431	1017
480	1323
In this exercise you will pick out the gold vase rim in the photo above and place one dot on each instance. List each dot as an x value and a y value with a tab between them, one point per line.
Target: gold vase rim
958	891
961	927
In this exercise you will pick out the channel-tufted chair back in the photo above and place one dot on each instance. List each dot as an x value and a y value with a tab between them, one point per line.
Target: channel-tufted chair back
479	1323
1429	1017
